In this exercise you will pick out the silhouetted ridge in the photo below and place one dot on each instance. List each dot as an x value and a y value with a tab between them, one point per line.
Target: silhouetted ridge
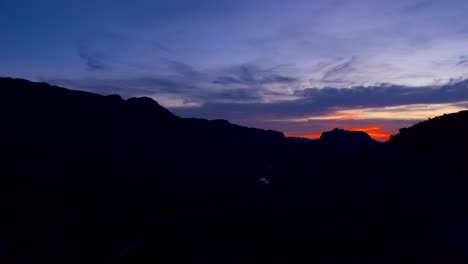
439	132
87	178
343	137
53	114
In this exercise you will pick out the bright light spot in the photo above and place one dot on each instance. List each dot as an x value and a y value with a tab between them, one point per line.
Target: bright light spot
264	181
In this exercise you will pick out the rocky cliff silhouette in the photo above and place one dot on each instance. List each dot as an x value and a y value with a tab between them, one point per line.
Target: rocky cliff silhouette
86	178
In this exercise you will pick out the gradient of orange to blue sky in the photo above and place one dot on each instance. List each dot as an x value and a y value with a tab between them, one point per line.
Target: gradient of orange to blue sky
301	67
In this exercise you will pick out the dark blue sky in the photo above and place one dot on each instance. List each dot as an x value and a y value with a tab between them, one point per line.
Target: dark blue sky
258	63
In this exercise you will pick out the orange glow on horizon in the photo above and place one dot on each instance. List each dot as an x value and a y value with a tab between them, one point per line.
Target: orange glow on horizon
376	132
309	136
400	113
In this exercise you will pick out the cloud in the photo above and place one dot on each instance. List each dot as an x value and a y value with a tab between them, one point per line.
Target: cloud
252	75
184	70
243	96
417	6
93	60
335	73
319	102
384	95
161	47
463	61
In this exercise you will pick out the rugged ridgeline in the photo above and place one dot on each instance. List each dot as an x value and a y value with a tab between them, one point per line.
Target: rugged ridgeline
90	178
135	128
54	120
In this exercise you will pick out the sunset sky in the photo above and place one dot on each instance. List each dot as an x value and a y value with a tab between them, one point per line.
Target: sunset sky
301	67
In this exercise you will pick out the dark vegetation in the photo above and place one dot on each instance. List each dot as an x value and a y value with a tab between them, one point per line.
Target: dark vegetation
86	178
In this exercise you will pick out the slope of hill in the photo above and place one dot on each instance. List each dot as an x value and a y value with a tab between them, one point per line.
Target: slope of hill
444	136
423	171
440	132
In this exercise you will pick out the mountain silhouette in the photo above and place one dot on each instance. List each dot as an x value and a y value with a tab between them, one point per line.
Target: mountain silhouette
338	136
347	139
54	115
86	178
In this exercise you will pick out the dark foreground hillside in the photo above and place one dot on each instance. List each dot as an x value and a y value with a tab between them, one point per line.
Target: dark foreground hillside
86	178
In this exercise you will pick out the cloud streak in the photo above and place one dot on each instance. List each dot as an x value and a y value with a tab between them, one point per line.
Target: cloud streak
337	72
463	61
92	60
318	101
252	76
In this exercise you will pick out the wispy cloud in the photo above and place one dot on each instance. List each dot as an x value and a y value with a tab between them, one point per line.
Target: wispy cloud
337	72
161	47
93	60
463	61
184	70
417	6
384	95
252	75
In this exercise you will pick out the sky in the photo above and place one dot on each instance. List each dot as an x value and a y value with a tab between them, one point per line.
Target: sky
300	67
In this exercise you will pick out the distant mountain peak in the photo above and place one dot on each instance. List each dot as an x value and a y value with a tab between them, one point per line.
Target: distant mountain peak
345	137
